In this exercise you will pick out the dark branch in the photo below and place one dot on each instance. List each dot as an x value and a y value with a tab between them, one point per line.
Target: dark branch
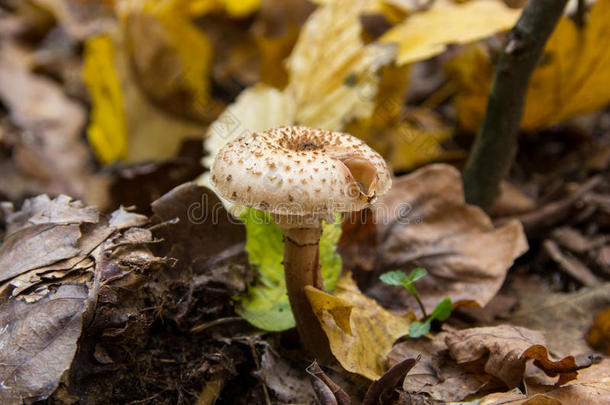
496	143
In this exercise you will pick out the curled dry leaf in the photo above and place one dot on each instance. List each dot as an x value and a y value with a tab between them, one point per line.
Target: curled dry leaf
327	391
423	221
457	364
591	387
359	330
381	389
505	350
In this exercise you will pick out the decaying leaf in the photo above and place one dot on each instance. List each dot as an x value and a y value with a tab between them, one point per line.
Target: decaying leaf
57	260
359	330
570	78
38	342
428	32
424	222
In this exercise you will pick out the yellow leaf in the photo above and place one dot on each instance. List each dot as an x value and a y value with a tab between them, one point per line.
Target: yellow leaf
359	330
332	79
402	144
240	8
273	51
125	124
107	131
193	48
571	78
427	33
234	8
331	70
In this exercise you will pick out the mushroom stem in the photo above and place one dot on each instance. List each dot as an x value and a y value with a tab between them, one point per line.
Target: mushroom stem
302	268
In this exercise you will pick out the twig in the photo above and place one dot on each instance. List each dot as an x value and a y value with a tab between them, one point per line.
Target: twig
496	144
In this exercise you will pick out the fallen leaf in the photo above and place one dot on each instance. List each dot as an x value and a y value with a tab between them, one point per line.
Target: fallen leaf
43	232
591	387
564	318
203	227
38	343
428	32
325	95
599	334
126	124
49	154
437	374
423	221
289	383
359	330
266	304
570	78
327	391
505	350
381	389
81	19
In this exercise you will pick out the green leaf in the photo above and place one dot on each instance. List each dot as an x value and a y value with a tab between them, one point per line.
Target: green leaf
418	329
442	310
416	274
265	304
396	277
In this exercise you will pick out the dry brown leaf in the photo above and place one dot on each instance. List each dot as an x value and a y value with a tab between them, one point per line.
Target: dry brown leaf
505	349
359	330
563	318
53	157
424	222
38	343
437	374
591	387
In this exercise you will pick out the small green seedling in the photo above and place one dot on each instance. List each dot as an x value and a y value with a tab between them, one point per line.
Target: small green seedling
440	313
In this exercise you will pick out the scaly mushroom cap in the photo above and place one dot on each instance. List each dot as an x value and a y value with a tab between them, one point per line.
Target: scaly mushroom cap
300	171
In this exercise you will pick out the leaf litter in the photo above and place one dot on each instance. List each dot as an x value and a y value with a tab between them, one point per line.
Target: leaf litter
108	305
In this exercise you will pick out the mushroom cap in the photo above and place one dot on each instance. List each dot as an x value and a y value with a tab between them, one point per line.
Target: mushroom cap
300	171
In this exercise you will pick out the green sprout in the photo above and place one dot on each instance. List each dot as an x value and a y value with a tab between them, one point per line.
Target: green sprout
440	313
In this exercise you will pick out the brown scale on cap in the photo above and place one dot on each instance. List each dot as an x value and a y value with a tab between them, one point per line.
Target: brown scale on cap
311	161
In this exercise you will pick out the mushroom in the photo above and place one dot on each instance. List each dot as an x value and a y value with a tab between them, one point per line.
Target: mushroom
301	176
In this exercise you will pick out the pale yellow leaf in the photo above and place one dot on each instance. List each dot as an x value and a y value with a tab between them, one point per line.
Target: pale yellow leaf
427	33
359	330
